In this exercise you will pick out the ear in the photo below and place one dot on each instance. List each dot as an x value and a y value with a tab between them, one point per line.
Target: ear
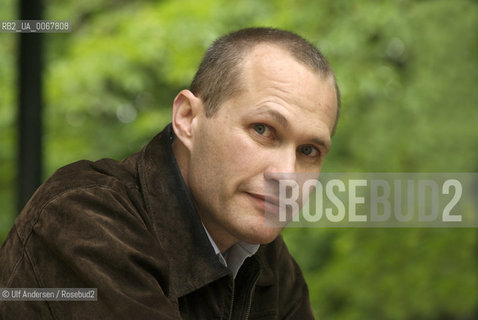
186	109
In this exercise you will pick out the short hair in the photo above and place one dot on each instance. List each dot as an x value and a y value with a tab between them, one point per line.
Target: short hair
218	75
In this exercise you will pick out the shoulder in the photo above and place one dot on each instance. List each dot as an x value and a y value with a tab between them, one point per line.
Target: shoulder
81	192
107	173
86	227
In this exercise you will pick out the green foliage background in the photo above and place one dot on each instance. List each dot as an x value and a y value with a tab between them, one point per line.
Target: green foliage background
408	71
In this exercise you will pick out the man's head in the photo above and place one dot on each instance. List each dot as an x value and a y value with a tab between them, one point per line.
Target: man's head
275	113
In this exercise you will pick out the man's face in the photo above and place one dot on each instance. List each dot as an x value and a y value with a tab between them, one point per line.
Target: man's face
281	122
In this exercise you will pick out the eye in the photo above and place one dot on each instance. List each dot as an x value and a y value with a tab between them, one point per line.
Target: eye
309	151
264	133
260	128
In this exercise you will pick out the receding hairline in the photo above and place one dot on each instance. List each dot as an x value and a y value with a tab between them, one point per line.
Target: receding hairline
246	55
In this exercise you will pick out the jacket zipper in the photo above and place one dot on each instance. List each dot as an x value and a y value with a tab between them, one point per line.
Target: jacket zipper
232	300
249	306
251	293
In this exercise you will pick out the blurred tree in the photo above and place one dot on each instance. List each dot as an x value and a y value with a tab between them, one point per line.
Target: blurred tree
8	132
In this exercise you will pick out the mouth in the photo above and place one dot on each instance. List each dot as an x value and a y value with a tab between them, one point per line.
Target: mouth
266	203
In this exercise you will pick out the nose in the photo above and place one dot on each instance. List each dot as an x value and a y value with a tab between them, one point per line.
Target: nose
282	165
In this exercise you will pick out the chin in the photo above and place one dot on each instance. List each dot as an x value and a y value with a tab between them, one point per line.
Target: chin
261	235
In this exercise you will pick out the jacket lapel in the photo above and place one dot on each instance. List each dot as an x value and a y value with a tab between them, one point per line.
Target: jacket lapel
178	228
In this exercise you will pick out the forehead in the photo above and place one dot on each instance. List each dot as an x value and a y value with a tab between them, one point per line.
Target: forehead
270	73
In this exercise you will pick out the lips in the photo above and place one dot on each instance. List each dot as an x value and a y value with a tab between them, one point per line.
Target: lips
265	203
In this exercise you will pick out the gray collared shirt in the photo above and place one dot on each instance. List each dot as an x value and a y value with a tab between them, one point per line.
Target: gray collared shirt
234	257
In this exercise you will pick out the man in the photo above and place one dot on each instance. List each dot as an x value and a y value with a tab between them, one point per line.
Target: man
178	230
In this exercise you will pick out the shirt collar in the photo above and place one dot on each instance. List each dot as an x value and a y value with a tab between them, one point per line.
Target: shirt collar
235	256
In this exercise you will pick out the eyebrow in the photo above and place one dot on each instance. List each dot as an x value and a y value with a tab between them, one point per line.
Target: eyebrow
274	114
322	143
277	116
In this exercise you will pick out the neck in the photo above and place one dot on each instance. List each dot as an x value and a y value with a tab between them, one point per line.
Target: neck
180	153
222	238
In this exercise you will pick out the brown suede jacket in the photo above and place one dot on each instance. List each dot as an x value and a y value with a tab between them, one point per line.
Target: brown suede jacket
131	230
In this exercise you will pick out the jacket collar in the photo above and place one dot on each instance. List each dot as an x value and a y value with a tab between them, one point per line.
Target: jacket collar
192	260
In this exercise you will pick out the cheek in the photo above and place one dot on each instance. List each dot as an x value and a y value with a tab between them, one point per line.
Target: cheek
227	160
246	154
